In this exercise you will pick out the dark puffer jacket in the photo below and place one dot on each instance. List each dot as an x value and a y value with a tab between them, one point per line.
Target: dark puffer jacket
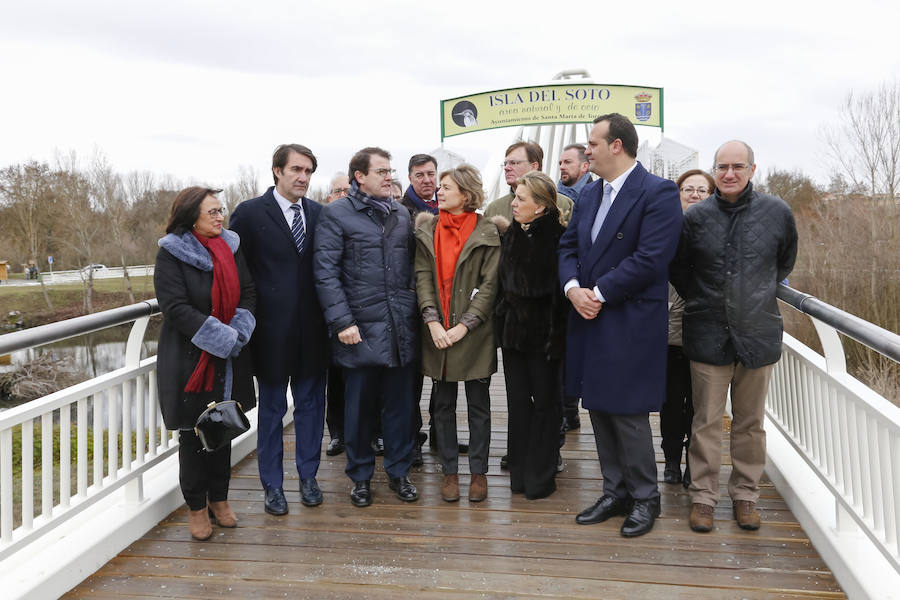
530	313
363	270
730	259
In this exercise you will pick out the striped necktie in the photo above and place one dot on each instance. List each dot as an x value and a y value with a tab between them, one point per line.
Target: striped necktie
297	228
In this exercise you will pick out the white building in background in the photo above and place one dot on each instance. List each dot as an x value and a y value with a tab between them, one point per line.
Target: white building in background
668	159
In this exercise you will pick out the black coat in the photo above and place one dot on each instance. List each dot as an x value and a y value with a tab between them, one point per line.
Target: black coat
183	287
364	277
290	337
530	312
730	259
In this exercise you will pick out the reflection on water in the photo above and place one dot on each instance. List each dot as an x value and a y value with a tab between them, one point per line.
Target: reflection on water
93	354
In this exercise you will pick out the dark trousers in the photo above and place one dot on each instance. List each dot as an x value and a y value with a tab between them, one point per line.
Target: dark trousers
533	390
678	411
334	410
362	389
309	424
203	475
625	449
478	402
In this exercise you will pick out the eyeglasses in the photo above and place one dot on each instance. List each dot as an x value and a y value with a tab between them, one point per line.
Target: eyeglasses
343	191
738	168
690	190
512	163
385	172
217	212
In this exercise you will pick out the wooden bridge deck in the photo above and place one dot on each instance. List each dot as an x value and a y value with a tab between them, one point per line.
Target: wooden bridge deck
504	547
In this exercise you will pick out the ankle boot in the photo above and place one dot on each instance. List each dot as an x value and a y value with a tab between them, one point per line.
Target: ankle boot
223	514
672	472
198	523
478	488
450	488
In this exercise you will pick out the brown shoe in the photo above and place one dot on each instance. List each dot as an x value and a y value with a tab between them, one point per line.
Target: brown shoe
478	487
198	523
450	488
745	514
223	514
701	517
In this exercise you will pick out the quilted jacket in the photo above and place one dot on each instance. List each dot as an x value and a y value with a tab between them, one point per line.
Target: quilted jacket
730	259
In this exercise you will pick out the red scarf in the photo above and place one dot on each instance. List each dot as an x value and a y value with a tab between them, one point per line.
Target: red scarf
449	237
226	292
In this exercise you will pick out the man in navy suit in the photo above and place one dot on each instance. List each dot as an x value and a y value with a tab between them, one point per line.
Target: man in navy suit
613	264
290	342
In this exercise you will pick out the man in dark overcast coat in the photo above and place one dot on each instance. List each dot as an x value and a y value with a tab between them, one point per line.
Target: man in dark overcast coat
613	264
290	342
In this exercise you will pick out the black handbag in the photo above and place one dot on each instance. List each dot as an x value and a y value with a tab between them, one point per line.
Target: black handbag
220	423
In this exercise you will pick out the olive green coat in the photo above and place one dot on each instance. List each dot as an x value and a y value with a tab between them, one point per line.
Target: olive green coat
475	355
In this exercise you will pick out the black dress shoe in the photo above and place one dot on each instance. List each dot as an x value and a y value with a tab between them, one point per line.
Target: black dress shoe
571	423
404	489
335	447
276	504
378	446
462	448
310	494
504	462
641	518
605	507
672	472
361	494
416	460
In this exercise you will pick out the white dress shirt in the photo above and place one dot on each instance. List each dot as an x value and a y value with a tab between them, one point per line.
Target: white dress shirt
616	184
285	205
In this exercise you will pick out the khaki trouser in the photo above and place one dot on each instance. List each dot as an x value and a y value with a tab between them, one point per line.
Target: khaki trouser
748	439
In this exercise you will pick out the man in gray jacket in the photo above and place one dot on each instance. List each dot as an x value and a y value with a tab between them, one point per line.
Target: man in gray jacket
735	247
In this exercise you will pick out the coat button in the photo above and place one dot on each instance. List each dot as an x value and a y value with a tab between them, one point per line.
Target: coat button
619	235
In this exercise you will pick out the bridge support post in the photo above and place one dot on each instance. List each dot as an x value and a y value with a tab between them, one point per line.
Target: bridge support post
134	491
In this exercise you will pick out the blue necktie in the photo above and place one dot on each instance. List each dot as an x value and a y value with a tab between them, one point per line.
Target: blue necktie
297	228
605	205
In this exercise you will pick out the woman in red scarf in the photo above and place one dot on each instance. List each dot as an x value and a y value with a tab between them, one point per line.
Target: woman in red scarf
207	299
456	273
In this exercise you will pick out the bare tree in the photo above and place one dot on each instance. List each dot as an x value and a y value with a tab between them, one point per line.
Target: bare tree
25	192
864	149
246	187
109	193
73	189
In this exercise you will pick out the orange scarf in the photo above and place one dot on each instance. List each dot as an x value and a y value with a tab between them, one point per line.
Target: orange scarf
449	238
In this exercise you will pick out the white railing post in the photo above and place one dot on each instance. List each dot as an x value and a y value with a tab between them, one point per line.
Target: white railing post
6	485
28	474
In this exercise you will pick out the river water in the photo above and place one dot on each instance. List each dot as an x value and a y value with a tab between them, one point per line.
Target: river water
91	355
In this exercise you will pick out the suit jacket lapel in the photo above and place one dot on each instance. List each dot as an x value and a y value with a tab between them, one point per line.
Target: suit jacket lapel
591	206
274	213
624	202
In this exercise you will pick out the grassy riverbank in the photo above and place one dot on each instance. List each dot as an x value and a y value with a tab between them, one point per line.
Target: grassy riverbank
68	299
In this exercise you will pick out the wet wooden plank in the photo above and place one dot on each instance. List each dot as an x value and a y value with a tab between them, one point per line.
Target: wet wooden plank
504	547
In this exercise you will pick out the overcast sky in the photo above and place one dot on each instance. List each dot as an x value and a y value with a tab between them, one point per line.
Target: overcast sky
198	89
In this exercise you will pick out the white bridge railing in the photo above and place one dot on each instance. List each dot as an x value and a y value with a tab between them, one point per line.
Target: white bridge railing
847	434
108	433
113	447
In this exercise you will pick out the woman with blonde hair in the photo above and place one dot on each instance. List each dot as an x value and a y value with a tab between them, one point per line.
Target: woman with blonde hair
530	325
456	271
